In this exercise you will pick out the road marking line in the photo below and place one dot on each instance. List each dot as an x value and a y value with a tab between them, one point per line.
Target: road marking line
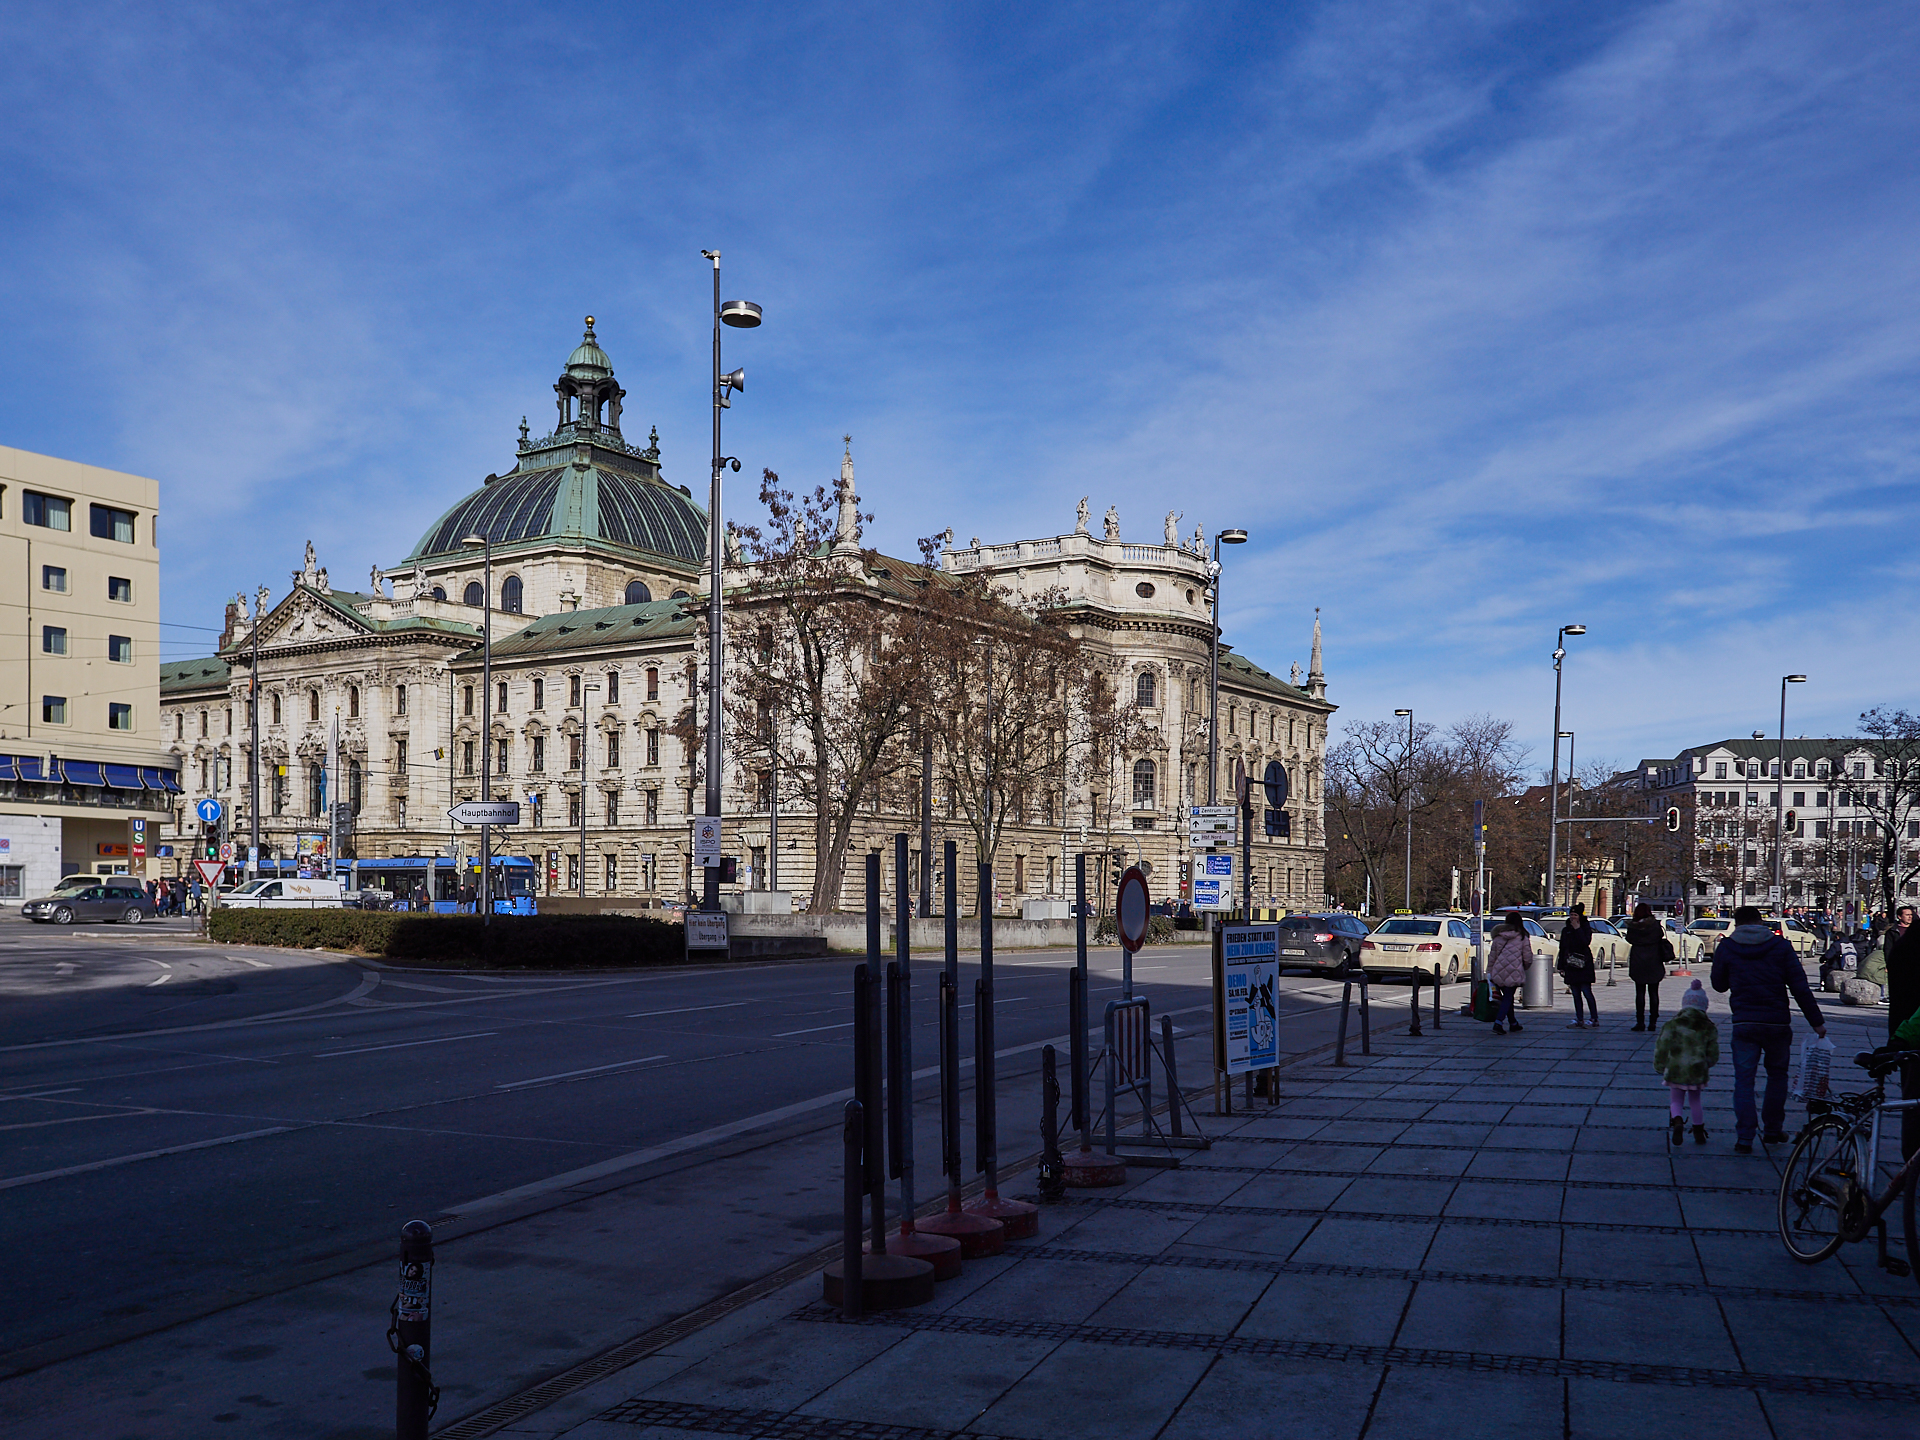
813	1030
13	1182
77	1119
687	1010
43	1094
257	964
403	1044
569	1074
161	981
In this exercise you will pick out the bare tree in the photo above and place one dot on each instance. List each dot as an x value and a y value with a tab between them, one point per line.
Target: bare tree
1893	737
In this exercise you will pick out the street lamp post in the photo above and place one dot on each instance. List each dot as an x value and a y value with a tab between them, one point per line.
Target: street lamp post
1539	991
1780	793
1567	735
742	315
1225	537
1409	715
484	543
253	755
585	748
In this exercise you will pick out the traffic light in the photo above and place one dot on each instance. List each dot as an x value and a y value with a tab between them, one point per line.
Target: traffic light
210	842
1673	817
1790	822
1579	879
729	869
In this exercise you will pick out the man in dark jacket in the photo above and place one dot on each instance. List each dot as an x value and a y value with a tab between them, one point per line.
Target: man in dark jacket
1762	969
1903	1007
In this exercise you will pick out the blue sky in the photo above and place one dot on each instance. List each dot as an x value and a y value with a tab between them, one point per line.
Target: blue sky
1481	318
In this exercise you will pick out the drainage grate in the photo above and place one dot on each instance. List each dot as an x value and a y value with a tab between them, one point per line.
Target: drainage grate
1377	1355
770	1424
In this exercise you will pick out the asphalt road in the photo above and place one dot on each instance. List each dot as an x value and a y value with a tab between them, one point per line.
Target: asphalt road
182	1123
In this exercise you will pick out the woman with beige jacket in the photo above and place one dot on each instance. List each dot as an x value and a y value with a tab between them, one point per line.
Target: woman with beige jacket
1507	963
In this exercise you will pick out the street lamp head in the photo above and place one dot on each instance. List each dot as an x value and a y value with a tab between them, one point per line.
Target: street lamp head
1796	679
1566	735
1403	712
474	541
1232	537
1573	629
741	314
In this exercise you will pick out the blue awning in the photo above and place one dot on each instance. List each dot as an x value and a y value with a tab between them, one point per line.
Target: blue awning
29	767
170	779
7	770
82	772
123	777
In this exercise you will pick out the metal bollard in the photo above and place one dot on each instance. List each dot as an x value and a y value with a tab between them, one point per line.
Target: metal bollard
1436	998
1366	1022
1340	1040
1173	1075
852	1237
896	1078
411	1334
1053	1185
1413	992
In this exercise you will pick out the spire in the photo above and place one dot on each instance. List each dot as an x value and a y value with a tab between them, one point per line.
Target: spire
846	533
1316	677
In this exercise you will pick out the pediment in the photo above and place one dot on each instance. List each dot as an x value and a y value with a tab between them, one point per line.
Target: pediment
303	618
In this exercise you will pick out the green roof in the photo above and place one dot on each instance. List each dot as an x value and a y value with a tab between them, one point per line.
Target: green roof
208	673
1243	674
572	630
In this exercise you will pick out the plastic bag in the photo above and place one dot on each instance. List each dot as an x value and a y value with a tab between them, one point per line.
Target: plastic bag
1812	1068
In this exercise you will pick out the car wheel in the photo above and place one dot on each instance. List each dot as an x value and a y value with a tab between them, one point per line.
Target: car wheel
134	915
1453	970
63	915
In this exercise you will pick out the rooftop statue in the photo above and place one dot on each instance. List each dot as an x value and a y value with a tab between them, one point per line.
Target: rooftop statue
1113	522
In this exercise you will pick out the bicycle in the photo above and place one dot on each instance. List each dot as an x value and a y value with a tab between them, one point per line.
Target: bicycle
1826	1189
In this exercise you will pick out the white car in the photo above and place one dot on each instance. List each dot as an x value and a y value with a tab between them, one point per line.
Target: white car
1419	942
1545	947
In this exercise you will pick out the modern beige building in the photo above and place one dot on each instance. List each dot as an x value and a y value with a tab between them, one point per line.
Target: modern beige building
85	777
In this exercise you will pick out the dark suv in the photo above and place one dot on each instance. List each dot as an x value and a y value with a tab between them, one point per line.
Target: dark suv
1321	942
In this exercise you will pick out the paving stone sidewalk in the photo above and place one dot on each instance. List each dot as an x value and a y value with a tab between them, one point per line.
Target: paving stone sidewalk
1463	1234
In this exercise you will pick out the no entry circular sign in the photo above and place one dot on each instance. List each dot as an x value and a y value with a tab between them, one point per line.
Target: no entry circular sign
1131	911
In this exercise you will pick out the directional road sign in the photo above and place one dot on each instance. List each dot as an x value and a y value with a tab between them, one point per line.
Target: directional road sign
1213	881
1131	911
485	812
208	810
1211	825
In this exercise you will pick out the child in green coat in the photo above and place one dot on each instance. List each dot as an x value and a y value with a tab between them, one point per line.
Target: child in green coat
1688	1047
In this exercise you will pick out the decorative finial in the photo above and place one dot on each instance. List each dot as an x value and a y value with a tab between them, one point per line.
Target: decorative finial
589	327
524	432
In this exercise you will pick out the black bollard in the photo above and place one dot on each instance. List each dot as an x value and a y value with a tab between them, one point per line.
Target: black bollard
1366	1021
872	1033
411	1334
896	1111
852	1131
1340	1039
1053	1185
1436	999
1077	1000
1175	1104
1019	1219
1413	993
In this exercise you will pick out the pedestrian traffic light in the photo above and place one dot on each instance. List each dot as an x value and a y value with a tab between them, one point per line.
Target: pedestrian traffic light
729	869
1673	817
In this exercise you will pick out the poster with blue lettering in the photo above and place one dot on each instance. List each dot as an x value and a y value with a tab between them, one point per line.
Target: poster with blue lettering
1250	955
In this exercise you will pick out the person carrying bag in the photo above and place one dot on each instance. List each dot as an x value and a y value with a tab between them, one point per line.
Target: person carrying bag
1508	960
1647	965
1576	966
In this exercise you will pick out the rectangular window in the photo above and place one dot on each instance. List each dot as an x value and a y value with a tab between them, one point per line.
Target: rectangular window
653	810
107	523
12	877
49	511
501	705
120	588
653	683
400	755
1799	798
539	754
653	747
120	649
613	689
649	872
399	699
53	709
574	747
1720	770
1819	829
466	699
613	749
613	807
539	694
1820	799
53	639
466	757
573	690
573	809
500	756
54	578
613	873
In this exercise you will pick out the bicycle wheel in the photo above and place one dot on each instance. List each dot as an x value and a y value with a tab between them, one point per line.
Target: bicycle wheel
1809	1212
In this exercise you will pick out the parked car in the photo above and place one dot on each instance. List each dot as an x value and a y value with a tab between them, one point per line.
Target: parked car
1545	947
1329	941
1407	943
1607	940
92	899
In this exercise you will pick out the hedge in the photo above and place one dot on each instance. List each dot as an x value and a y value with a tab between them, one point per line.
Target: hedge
1160	929
511	942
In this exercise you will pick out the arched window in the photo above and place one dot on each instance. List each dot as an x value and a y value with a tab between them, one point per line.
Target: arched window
1143	786
510	593
679	595
1144	690
475	595
638	593
439	592
353	702
276	709
313	704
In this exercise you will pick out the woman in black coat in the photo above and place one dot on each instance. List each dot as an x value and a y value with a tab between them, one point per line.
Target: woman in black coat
1646	965
1576	965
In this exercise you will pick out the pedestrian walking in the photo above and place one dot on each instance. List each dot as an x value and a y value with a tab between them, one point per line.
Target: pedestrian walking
1902	953
1761	970
1647	964
1576	965
1687	1048
1508	960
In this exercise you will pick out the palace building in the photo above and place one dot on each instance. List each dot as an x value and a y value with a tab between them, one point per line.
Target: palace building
371	702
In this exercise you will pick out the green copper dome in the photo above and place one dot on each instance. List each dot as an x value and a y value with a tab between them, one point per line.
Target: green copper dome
588	361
